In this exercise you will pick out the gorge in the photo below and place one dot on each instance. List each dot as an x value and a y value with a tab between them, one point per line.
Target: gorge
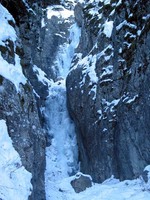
74	93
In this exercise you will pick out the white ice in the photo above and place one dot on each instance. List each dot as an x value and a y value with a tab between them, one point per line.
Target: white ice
66	52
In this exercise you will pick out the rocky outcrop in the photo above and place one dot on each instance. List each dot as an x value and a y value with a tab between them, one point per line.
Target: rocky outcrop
108	89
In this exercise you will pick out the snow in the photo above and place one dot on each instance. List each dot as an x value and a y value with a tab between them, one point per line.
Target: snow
94	90
110	105
129	100
139	32
15	179
119	3
88	63
108	27
106	81
58	11
12	72
43	23
41	76
9	71
10	33
61	154
110	189
107	71
147	168
100	114
103	52
94	11
106	2
91	71
125	23
147	17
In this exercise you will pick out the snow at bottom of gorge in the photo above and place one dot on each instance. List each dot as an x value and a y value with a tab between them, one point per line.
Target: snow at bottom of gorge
111	189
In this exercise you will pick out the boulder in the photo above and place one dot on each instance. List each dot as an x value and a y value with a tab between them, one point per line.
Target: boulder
81	182
146	174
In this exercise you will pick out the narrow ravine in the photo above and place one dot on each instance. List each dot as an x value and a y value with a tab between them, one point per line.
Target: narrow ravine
62	152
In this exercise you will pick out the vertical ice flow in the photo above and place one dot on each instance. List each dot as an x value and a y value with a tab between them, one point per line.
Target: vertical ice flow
62	153
66	52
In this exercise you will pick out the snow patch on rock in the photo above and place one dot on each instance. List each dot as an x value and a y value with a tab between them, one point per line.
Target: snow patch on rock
15	179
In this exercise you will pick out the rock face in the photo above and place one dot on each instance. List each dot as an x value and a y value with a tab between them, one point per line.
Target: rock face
21	115
108	89
19	107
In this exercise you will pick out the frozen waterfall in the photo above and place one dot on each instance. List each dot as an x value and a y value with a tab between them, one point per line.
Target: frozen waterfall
62	152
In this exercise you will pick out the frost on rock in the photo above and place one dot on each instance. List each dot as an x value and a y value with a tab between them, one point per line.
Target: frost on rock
15	179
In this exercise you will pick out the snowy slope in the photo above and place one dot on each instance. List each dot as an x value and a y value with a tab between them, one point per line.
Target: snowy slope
14	178
111	189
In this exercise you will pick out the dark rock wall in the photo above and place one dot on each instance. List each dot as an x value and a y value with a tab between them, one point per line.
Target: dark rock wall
108	89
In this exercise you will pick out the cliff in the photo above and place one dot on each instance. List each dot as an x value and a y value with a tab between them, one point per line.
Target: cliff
108	88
